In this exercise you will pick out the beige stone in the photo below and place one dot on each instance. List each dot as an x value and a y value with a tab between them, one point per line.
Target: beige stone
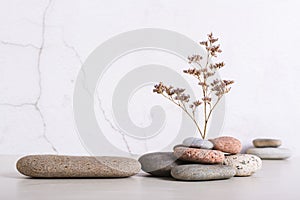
266	143
54	166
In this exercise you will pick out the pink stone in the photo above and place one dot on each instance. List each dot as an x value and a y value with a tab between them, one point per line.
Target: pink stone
227	144
199	155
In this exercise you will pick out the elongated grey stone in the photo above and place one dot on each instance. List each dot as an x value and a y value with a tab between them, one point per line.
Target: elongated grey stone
198	143
54	166
269	153
198	172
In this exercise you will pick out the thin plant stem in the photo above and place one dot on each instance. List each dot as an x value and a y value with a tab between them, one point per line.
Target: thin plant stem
185	110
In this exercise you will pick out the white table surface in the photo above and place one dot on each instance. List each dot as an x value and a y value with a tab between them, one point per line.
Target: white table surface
276	180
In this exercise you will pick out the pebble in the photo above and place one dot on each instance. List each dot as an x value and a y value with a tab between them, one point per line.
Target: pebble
269	153
244	164
199	155
159	163
198	172
227	144
266	143
197	143
55	166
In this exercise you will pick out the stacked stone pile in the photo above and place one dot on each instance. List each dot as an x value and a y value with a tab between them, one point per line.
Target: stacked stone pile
269	149
197	160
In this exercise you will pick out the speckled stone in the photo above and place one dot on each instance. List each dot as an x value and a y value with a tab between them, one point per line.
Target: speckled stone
227	144
266	143
244	164
198	172
270	153
54	166
199	155
159	163
197	143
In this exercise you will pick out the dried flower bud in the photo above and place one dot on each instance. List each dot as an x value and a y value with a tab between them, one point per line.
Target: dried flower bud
204	43
193	71
197	103
218	65
159	88
206	99
179	91
228	82
195	58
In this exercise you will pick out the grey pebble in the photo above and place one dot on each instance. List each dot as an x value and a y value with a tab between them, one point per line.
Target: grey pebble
198	143
199	172
270	153
159	163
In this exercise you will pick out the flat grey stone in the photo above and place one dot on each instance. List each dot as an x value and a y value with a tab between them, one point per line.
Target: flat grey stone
266	142
198	143
198	172
54	166
183	145
159	163
244	164
270	153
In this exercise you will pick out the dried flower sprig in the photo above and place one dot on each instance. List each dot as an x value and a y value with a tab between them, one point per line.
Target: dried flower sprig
210	87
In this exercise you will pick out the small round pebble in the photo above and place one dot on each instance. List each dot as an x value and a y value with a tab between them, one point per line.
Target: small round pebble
197	143
244	164
198	172
159	163
227	144
266	143
269	153
199	155
55	166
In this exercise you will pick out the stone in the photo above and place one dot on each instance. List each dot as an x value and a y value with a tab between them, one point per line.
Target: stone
159	163
244	164
197	143
198	172
270	153
55	166
227	144
199	155
182	145
266	143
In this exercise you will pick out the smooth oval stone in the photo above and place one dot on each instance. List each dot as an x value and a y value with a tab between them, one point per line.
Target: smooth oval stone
269	153
54	166
198	143
182	145
244	164
266	142
199	155
159	163
227	144
198	172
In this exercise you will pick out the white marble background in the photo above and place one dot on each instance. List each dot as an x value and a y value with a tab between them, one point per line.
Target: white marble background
43	44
